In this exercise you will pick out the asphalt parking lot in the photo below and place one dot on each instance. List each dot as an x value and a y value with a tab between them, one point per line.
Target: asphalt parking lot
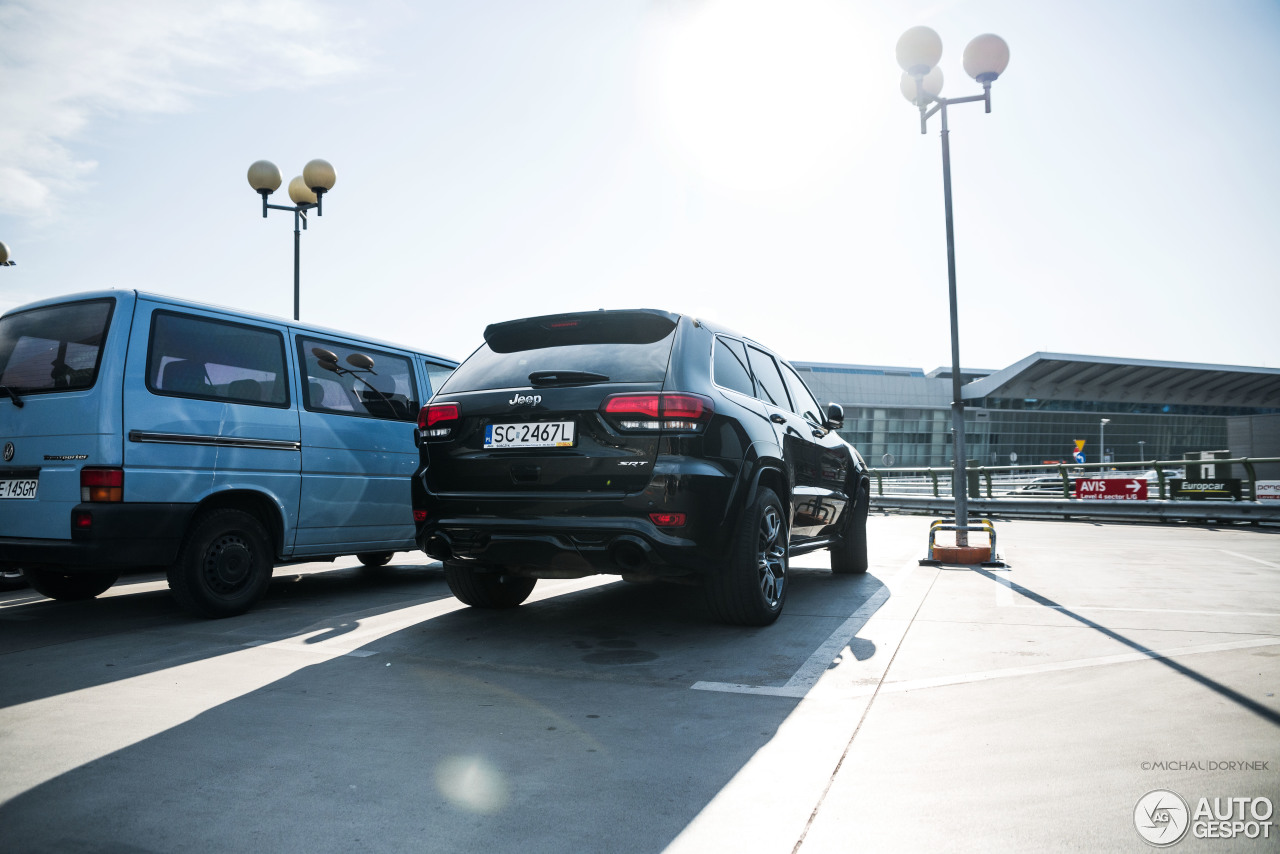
914	709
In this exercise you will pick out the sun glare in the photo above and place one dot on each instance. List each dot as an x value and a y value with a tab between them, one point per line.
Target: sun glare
757	95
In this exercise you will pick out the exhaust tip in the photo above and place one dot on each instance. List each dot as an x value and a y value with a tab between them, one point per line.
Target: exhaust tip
439	547
630	554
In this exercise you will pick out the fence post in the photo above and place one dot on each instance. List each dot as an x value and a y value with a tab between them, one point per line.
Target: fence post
1253	478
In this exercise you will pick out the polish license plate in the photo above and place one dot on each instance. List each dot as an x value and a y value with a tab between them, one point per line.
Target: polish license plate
539	434
24	488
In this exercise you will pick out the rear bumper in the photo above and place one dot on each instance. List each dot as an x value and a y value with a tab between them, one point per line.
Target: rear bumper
551	536
121	536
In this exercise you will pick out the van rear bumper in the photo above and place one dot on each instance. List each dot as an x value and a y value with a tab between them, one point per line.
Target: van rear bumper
121	536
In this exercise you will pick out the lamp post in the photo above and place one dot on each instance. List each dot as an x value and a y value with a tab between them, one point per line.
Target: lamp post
307	192
4	257
1102	441
985	59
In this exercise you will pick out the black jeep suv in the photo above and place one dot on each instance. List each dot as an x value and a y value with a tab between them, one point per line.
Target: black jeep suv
645	443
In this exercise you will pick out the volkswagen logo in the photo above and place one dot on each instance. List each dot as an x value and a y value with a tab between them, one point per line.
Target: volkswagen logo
8	451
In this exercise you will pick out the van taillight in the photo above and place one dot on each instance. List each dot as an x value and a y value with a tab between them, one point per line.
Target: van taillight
437	420
669	411
101	484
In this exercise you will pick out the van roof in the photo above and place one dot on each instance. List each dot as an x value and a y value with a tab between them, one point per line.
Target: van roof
134	294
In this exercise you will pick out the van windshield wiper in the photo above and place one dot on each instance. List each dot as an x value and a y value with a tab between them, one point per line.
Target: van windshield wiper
545	378
13	395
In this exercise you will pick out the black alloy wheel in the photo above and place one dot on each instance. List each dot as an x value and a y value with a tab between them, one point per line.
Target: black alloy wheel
752	588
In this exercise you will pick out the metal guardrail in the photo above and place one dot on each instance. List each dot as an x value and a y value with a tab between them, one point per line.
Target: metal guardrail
928	490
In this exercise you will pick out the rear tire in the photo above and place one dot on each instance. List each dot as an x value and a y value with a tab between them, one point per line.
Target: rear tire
486	589
224	564
68	587
752	588
11	579
375	560
849	554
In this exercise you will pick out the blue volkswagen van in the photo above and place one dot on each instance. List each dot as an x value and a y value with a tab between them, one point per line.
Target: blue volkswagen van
142	431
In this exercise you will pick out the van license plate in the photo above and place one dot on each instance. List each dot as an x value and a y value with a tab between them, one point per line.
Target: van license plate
541	434
19	488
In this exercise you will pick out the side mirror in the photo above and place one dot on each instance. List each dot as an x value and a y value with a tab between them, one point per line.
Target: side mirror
327	358
835	416
360	361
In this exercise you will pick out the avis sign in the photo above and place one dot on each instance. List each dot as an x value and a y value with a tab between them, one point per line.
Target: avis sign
1111	489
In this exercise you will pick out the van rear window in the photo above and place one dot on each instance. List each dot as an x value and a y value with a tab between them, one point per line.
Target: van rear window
630	346
54	348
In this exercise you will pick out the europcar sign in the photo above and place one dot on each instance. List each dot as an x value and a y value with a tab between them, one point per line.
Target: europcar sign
1222	489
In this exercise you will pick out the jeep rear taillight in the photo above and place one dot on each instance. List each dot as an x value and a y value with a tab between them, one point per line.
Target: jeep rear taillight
437	420
101	484
650	412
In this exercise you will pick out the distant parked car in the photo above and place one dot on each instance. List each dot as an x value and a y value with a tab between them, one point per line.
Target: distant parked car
645	443
1042	487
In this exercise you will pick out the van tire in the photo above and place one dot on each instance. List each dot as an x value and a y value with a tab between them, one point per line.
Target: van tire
374	560
224	564
68	587
751	588
486	589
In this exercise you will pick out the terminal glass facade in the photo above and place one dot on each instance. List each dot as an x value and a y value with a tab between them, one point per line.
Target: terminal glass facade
907	414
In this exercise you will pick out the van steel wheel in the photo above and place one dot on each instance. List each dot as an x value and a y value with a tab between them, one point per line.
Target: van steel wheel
486	589
68	587
224	564
752	588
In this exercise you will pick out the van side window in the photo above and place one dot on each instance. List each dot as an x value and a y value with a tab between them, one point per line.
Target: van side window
436	375
772	389
200	357
361	381
729	366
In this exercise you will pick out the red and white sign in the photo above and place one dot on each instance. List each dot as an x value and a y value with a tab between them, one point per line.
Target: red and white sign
1111	489
1267	490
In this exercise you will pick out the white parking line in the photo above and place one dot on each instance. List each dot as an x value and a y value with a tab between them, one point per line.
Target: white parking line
1076	664
1006	599
1254	559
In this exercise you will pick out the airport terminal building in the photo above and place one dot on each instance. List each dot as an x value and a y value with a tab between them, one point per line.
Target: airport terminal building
1035	411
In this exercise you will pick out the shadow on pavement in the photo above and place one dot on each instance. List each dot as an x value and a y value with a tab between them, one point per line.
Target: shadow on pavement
563	725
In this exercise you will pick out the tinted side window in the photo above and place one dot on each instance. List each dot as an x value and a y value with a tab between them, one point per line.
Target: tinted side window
803	401
730	366
199	357
56	348
345	386
768	380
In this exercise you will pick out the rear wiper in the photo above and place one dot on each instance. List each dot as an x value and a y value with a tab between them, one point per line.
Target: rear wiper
13	395
545	378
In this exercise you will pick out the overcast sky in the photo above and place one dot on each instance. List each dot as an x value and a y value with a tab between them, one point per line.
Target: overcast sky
747	161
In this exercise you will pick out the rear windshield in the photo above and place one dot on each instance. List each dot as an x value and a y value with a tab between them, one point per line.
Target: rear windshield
56	348
595	347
